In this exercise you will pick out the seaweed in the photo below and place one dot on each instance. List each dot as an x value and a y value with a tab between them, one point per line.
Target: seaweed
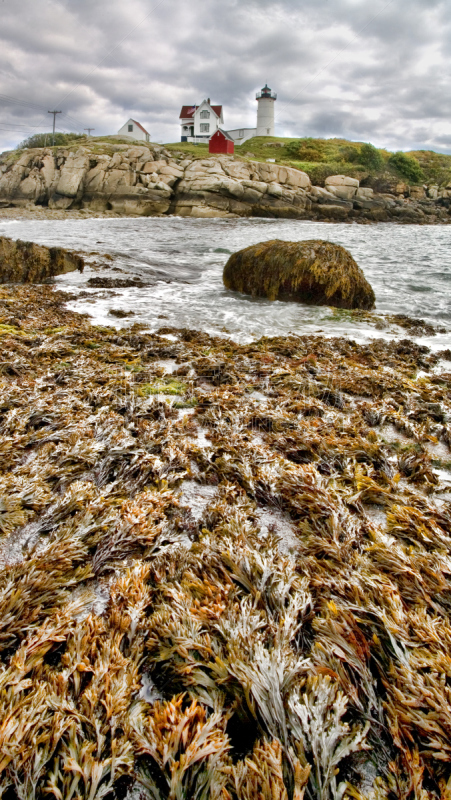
294	625
312	271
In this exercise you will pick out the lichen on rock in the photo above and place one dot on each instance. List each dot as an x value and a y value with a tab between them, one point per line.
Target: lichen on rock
315	272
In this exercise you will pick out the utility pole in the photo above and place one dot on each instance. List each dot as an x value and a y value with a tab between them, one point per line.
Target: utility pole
89	130
54	118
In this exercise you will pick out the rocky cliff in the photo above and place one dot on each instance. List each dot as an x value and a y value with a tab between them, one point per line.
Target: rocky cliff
148	180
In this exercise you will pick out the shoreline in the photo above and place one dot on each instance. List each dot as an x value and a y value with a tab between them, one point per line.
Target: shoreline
187	518
43	212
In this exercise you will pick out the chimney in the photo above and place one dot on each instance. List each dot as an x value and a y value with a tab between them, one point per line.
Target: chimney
208	101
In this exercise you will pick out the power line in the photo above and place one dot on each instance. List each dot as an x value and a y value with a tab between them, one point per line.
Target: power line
89	130
28	104
18	126
54	118
19	102
74	122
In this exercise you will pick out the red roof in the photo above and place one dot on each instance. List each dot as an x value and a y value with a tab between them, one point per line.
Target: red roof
188	111
140	126
222	133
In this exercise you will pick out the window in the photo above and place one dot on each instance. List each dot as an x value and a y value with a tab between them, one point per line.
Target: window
130	128
147	137
205	128
205	114
268	131
240	133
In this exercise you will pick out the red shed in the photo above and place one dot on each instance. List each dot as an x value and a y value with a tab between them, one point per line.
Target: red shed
221	142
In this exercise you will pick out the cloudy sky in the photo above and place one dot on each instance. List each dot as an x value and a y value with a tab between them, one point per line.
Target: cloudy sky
367	70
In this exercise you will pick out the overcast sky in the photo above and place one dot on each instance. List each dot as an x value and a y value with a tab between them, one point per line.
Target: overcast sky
367	70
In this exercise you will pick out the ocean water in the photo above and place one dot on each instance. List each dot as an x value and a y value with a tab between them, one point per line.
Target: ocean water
182	261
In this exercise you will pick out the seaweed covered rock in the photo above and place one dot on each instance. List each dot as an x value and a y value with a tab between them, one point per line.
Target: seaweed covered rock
27	262
313	272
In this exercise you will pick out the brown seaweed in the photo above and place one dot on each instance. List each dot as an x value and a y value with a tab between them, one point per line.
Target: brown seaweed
307	655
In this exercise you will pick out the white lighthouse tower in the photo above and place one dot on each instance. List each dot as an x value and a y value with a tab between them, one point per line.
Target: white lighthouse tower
265	113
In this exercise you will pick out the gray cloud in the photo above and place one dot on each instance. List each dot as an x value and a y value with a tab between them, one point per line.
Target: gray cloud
374	72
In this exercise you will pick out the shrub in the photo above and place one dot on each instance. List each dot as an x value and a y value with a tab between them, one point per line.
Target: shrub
46	139
371	157
350	155
407	166
319	173
306	149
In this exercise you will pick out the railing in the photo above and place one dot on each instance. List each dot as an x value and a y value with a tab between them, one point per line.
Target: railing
199	139
268	93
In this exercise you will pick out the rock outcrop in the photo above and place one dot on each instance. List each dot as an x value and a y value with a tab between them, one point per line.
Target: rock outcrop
224	186
341	186
149	180
313	272
26	262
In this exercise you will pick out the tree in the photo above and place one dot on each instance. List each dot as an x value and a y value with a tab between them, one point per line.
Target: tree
407	166
45	140
370	157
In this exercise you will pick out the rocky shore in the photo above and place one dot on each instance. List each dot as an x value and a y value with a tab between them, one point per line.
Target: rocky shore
27	262
149	180
225	569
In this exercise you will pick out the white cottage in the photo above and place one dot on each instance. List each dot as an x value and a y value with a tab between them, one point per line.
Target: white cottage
198	123
134	130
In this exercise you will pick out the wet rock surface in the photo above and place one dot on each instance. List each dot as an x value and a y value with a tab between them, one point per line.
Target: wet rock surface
313	272
213	564
148	180
114	283
27	262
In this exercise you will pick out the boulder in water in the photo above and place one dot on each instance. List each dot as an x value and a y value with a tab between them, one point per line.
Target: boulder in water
314	272
27	262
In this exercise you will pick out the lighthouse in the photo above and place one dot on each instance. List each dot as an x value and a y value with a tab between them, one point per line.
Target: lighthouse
265	113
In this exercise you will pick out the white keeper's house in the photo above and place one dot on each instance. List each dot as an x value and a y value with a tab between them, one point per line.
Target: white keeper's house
134	130
199	123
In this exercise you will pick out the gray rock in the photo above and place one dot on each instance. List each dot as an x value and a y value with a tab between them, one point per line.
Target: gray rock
148	180
341	180
342	192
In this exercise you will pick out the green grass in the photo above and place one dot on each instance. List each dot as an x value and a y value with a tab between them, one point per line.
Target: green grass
322	157
188	149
